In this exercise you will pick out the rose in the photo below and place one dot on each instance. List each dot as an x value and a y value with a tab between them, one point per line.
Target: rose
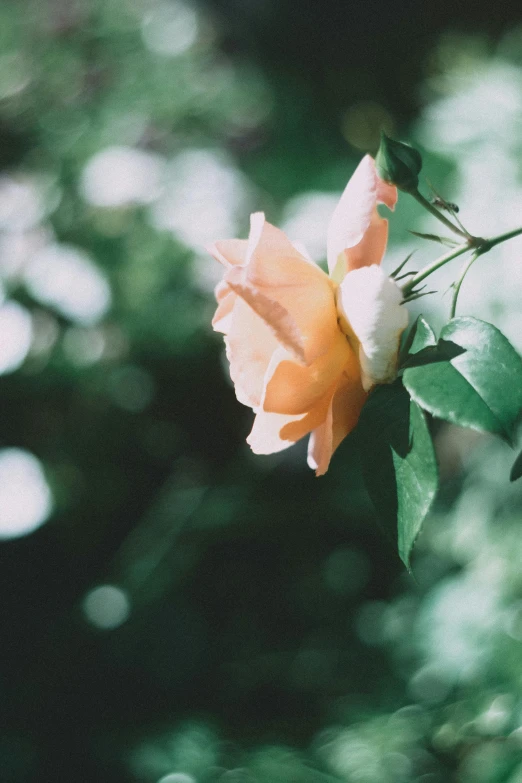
305	348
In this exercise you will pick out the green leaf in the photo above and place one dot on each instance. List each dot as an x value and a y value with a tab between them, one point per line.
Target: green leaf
516	470
472	378
399	466
420	336
447	241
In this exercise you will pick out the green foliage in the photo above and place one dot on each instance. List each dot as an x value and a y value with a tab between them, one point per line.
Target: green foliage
420	336
435	238
399	464
473	377
516	470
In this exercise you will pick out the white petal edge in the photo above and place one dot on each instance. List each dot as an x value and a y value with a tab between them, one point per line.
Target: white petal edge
369	304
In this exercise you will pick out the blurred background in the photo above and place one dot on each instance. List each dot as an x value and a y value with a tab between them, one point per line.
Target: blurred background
173	608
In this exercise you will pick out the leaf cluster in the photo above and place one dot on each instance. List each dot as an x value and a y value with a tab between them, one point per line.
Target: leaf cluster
470	376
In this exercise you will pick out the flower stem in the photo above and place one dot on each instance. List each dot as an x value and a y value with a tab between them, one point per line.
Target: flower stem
434	211
487	244
458	283
430	268
479	246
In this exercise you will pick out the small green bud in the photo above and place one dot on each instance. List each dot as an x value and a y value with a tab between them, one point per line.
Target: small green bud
398	163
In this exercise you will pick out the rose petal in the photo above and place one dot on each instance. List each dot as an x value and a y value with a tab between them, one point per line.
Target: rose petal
342	416
293	388
356	219
371	248
221	291
229	252
276	272
347	403
273	432
277	319
320	447
250	345
223	315
303	252
295	430
386	194
265	436
370	307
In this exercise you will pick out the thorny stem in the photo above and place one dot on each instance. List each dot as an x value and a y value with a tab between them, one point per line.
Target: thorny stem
443	219
489	243
480	246
430	268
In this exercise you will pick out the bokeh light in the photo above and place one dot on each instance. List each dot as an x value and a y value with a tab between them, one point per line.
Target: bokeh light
306	218
25	497
177	777
170	28
363	123
119	176
205	195
16	333
25	201
131	388
106	607
65	278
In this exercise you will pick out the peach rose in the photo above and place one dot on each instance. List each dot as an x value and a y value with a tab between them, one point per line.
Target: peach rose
304	347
